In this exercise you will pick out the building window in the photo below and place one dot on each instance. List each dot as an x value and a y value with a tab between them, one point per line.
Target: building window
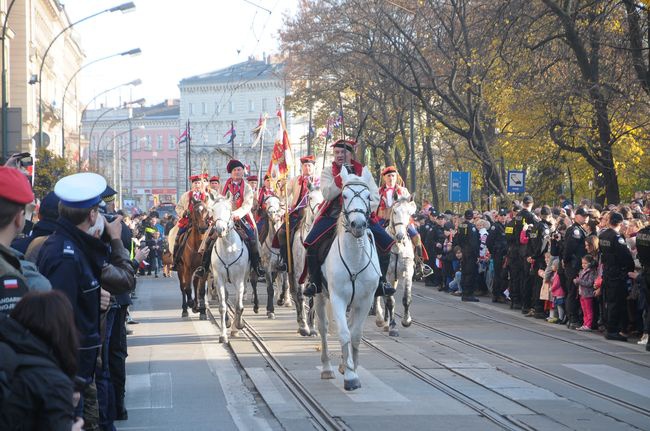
148	169
147	143
231	107
204	108
191	109
159	141
263	105
171	142
217	108
251	106
137	173
160	167
171	167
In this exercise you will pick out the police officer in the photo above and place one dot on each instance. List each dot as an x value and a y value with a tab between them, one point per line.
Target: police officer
498	247
513	268
468	239
72	260
523	219
539	239
574	249
617	261
433	238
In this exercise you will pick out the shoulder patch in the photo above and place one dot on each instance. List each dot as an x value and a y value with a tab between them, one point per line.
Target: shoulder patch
576	233
473	229
547	231
621	240
492	228
68	248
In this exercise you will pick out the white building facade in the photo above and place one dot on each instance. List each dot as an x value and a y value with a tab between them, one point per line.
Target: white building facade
237	95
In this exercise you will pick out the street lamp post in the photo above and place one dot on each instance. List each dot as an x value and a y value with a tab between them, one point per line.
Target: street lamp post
121	8
135	83
135	51
5	107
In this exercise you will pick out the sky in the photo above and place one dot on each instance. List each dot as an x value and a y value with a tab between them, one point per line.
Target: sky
178	39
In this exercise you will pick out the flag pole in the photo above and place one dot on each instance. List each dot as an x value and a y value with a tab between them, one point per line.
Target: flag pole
189	151
262	129
342	116
232	139
287	224
327	140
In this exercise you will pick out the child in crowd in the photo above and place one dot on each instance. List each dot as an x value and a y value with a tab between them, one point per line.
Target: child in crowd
155	244
454	284
585	282
557	292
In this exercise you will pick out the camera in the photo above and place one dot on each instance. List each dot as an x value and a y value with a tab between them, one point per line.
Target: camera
110	217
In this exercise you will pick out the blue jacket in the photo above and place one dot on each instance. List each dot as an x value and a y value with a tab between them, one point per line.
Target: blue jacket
44	227
72	260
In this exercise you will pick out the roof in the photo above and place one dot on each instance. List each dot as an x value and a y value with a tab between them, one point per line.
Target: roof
160	110
247	71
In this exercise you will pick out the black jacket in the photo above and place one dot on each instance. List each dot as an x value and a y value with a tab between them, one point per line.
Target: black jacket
44	227
41	393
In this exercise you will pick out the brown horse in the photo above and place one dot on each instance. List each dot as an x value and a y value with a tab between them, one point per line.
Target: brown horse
191	259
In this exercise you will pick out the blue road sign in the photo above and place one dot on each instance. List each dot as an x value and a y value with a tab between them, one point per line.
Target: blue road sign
460	186
516	181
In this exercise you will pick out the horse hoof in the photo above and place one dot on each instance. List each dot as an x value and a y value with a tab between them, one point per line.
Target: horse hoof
305	332
223	339
393	332
280	302
341	368
185	313
190	303
256	309
270	315
195	310
288	304
327	375
313	333
350	385
203	316
234	333
406	322
386	328
379	323
228	323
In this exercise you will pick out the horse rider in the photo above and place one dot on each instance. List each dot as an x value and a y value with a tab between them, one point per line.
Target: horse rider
325	224
241	195
183	208
390	192
298	191
215	185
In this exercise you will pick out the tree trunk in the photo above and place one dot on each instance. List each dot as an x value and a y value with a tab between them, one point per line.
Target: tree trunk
432	166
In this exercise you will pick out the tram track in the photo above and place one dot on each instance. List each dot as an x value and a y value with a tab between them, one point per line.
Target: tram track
320	418
510	359
534	331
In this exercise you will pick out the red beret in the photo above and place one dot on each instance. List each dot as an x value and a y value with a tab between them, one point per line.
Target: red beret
14	186
214	178
345	143
388	170
252	178
195	178
308	159
234	163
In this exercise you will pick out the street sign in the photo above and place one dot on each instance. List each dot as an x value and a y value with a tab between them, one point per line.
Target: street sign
460	186
516	181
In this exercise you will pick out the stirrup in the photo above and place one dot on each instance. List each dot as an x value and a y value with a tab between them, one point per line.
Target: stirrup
311	290
426	270
282	267
385	289
200	271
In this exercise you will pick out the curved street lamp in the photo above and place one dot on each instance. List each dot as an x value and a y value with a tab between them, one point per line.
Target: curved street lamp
135	51
5	107
121	8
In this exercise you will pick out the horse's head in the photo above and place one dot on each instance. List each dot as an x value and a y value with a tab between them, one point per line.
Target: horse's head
400	215
273	209
315	197
221	211
199	215
356	202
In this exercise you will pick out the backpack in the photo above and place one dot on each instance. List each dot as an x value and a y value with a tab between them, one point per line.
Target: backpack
10	363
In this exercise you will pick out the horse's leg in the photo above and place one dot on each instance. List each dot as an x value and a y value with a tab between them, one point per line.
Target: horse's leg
286	292
239	308
296	292
256	302
200	296
406	300
181	282
223	311
311	317
270	309
379	312
391	327
319	305
350	378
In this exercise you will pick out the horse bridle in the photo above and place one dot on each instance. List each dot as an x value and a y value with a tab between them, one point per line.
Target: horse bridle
357	194
194	210
229	223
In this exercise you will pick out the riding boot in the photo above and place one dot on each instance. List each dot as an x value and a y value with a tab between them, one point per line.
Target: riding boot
206	259
384	288
256	262
315	277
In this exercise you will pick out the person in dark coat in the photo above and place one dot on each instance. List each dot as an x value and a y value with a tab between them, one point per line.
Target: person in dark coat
48	213
42	340
468	239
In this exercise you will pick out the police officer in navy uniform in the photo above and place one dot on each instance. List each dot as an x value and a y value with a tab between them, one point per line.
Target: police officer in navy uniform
617	261
574	249
523	219
539	240
468	239
433	238
72	260
498	247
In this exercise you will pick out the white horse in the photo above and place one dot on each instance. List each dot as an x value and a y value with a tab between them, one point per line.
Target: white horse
400	268
229	264
351	273
304	314
271	256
